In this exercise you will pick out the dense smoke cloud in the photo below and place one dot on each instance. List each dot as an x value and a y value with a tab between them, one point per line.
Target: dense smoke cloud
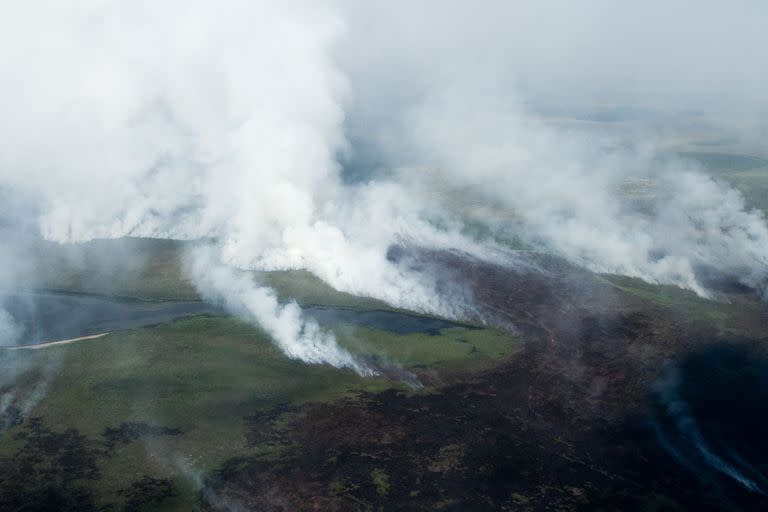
690	55
178	121
591	199
228	122
199	122
497	105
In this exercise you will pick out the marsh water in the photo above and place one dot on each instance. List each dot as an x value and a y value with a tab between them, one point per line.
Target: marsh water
48	316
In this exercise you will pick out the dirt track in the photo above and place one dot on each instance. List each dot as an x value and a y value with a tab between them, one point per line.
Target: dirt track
38	346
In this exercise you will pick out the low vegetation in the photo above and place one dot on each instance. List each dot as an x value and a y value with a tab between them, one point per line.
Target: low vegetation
171	400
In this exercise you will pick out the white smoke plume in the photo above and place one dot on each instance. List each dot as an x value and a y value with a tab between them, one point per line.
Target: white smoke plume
299	338
181	121
227	122
197	121
607	207
9	329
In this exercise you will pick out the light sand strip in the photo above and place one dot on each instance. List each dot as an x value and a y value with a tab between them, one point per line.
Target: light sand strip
59	342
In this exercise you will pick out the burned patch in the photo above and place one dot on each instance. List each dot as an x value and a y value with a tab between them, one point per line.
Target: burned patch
50	471
146	491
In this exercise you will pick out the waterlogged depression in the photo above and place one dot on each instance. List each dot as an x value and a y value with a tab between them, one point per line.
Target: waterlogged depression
51	316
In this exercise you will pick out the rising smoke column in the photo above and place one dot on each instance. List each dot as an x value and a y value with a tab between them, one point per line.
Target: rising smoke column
189	121
186	120
298	337
575	193
181	120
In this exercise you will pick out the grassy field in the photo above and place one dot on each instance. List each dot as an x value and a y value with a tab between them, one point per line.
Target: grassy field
200	375
199	378
151	269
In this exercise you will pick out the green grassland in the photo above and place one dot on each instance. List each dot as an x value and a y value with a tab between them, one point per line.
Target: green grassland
129	267
151	269
204	375
201	375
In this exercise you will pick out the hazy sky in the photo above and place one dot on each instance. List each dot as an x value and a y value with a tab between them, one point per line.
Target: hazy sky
655	50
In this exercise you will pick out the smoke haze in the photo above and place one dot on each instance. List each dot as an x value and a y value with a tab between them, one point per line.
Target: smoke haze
319	135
